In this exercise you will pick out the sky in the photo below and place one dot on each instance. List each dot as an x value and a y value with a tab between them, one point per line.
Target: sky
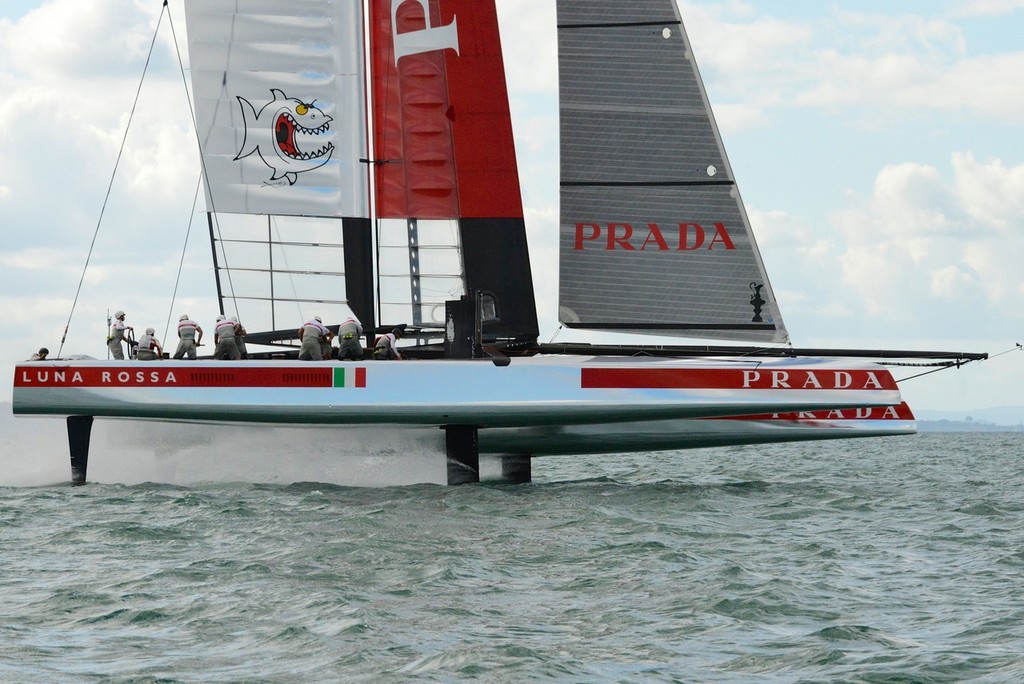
877	146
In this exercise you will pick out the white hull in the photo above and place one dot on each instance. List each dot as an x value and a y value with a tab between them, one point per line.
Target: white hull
534	405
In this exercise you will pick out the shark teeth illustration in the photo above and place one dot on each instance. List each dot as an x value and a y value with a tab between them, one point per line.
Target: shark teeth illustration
283	135
298	131
323	151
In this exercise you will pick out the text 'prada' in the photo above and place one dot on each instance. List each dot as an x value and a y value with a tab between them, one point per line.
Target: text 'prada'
687	237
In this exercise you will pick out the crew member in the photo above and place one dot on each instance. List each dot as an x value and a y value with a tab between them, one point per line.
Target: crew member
326	349
311	333
149	347
240	338
386	346
349	344
224	337
39	355
190	335
117	332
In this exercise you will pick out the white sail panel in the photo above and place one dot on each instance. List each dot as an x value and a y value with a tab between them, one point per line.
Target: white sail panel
279	98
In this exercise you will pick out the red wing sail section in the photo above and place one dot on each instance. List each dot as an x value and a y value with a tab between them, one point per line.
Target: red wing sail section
443	134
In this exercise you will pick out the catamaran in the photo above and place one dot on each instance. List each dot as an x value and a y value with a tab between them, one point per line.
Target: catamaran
359	156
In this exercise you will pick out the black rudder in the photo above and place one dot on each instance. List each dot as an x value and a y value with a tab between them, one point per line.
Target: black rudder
79	429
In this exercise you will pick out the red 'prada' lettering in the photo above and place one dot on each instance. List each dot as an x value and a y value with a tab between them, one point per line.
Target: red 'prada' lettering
721	378
684	236
863	413
592	232
721	235
622	236
614	238
654	233
900	412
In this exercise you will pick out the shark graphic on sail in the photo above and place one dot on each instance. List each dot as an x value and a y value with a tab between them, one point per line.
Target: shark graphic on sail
286	133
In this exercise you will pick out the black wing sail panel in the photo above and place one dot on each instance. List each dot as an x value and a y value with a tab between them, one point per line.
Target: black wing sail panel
653	236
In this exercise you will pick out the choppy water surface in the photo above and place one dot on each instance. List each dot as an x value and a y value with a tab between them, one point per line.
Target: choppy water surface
865	561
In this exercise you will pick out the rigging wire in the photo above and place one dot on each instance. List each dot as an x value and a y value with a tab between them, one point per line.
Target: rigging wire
181	262
935	368
1017	347
202	159
291	278
113	174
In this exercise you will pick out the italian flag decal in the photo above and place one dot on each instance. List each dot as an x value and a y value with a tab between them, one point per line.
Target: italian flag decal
350	377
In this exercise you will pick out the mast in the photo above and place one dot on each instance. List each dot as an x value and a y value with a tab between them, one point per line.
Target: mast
216	267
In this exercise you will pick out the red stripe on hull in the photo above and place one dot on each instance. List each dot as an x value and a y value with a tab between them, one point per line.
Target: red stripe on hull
178	376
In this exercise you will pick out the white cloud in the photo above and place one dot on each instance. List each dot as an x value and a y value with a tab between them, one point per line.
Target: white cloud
529	48
64	118
951	281
891	82
992	193
885	63
985	8
745	47
78	38
898	33
914	223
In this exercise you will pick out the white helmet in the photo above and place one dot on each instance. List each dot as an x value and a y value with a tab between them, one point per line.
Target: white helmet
220	317
317	319
119	314
234	319
150	331
184	317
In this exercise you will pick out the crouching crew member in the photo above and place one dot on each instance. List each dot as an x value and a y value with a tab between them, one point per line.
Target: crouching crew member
149	347
386	347
311	333
349	344
224	338
191	335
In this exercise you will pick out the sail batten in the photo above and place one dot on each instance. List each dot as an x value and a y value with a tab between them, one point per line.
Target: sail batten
620	24
644	184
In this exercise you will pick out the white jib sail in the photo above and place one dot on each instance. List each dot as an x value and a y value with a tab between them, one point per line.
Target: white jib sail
279	98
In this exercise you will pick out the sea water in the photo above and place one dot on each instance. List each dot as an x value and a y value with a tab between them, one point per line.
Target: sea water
874	560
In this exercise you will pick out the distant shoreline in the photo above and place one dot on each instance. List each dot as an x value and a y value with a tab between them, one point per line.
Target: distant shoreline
964	426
